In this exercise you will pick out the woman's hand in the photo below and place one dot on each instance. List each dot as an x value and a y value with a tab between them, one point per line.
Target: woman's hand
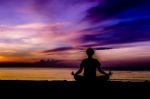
110	73
72	73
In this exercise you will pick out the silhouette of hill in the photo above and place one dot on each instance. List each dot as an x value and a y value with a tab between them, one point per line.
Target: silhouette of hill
42	63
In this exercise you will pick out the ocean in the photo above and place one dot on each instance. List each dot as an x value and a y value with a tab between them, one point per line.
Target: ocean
65	74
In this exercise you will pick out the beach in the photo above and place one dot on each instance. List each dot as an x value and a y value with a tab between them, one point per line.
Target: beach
73	89
58	83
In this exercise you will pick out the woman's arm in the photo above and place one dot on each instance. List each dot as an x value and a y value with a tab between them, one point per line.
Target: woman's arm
79	71
81	68
101	71
99	68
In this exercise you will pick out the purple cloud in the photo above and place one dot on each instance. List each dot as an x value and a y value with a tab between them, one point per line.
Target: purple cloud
115	21
111	9
58	49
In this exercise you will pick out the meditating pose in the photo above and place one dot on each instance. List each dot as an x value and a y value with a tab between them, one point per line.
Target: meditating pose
90	65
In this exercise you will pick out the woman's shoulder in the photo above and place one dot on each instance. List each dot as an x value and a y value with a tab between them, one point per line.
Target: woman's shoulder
95	59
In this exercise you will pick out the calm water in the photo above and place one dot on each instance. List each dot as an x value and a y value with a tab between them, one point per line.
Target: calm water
64	74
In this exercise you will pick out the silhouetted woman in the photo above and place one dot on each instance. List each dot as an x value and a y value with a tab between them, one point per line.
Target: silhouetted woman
90	65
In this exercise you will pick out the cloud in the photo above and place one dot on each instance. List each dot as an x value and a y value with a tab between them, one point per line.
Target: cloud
67	27
111	9
58	49
115	22
56	10
79	49
123	32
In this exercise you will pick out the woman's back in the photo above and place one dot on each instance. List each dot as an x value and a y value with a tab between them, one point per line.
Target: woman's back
90	66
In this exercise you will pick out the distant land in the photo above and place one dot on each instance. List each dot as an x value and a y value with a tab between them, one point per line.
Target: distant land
51	63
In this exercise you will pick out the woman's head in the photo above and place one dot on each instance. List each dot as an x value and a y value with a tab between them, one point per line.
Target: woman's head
90	52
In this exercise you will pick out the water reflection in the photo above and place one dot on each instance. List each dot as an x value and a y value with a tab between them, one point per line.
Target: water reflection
64	74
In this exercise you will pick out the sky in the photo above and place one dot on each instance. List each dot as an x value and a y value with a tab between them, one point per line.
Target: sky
118	30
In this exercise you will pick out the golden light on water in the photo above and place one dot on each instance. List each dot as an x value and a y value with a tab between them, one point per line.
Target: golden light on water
64	74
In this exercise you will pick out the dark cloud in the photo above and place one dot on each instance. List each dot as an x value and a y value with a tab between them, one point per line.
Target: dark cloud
58	49
111	9
103	48
126	32
71	48
118	21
